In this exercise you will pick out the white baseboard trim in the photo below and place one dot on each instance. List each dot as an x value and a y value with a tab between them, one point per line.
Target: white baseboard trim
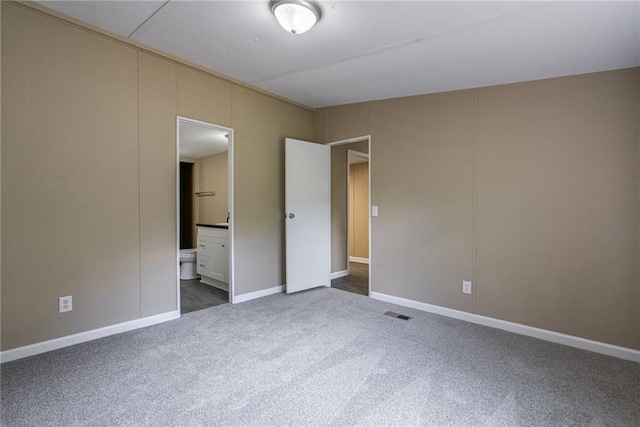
258	294
543	334
69	340
360	260
339	274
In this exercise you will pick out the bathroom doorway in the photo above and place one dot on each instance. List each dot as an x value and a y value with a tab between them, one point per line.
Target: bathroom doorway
204	206
350	215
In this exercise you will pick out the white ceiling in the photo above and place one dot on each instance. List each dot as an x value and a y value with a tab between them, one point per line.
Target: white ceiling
199	141
366	50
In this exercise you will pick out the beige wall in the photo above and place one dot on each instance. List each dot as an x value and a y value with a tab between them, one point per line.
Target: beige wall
70	223
261	123
359	210
105	231
339	196
557	205
157	181
341	122
204	97
422	165
530	190
213	175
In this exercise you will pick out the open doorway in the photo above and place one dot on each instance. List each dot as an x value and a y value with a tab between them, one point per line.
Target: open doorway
204	203
350	216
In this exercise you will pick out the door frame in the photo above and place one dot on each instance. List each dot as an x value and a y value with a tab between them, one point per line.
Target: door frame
350	141
351	152
230	162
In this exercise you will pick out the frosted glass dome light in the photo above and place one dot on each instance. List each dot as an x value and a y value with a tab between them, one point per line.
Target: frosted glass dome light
296	16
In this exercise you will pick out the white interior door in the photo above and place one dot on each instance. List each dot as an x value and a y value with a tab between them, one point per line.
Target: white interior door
308	214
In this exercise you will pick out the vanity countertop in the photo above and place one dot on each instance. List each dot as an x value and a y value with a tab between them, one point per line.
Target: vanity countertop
226	227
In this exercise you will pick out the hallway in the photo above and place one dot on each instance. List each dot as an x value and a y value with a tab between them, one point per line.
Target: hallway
357	281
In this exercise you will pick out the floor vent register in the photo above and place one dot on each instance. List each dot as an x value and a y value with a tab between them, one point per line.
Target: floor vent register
397	316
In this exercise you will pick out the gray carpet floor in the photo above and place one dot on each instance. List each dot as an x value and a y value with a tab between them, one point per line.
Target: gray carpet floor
321	357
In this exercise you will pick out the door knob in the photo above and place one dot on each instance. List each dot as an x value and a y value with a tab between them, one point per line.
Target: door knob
291	216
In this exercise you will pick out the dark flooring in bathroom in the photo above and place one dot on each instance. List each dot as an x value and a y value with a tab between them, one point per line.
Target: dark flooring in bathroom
195	296
357	281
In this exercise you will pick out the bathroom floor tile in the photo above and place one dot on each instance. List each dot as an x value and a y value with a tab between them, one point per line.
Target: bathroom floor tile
196	296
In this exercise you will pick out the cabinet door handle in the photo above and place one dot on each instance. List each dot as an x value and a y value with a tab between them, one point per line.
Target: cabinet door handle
202	265
223	246
202	246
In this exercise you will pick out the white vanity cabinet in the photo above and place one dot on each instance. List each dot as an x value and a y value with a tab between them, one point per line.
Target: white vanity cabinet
213	256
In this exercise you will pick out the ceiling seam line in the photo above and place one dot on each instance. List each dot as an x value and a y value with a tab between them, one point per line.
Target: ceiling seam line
147	20
401	44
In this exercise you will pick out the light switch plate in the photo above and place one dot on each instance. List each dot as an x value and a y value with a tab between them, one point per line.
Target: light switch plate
466	287
374	211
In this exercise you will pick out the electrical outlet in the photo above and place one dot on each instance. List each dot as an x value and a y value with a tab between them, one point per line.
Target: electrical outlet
65	304
466	287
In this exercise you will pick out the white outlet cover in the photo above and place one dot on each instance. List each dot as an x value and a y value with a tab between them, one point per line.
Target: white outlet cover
65	304
374	211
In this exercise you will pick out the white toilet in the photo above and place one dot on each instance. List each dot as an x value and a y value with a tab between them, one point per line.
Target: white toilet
188	258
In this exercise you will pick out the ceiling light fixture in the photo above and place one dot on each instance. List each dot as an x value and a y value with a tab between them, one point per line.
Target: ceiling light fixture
296	16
